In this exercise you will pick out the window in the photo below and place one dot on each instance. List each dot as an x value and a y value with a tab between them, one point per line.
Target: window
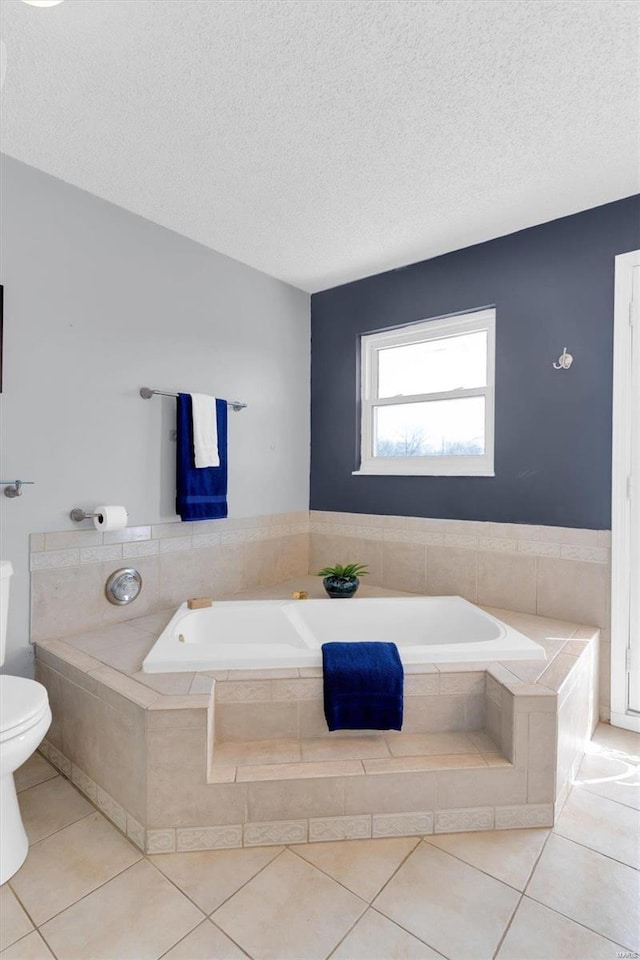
427	398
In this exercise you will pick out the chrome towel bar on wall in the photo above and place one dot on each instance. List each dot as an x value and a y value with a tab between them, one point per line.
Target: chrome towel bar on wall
146	393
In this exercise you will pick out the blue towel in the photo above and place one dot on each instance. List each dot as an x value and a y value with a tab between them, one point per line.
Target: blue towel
201	494
363	686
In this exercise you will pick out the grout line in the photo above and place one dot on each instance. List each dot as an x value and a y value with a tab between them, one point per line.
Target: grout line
229	937
397	923
182	939
11	946
578	923
508	926
585	846
84	896
347	932
86	816
620	803
222	850
529	896
522	895
472	865
348	889
31	920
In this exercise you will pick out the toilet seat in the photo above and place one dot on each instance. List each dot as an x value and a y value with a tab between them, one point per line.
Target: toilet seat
23	703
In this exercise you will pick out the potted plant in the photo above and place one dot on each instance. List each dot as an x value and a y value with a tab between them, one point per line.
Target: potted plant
342	581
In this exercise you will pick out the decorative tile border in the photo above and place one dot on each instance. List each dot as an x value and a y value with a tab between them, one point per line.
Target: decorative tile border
209	838
59	760
524	815
469	818
84	783
161	841
313	830
275	832
135	832
71	548
339	828
47	551
402	824
111	809
566	543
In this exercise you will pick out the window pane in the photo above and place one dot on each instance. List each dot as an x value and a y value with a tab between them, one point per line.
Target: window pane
439	428
432	366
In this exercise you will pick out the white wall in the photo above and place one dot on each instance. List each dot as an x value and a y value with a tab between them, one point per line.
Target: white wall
99	302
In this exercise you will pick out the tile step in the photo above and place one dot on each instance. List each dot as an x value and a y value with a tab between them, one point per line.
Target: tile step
246	761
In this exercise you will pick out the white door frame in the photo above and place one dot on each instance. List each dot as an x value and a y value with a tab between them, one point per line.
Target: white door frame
622	651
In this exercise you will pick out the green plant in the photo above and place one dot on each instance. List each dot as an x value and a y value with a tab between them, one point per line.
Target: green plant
346	572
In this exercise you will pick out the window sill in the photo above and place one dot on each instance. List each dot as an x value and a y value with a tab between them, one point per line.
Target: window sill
398	472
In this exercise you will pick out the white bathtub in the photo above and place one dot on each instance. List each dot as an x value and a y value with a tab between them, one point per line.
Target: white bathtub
256	634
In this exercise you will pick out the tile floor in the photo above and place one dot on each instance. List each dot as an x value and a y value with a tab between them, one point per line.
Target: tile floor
571	893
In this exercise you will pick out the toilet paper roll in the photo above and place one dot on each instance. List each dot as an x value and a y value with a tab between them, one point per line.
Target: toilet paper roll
110	518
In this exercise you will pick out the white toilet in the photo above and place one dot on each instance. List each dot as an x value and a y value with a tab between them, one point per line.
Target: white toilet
24	719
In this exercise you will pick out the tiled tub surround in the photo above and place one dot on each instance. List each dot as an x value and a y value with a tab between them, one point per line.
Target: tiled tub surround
557	572
483	747
177	560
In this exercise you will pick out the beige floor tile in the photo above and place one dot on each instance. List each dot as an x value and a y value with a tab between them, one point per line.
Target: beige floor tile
66	866
210	877
538	933
608	738
453	907
344	748
289	911
31	947
257	751
585	886
206	942
138	915
608	827
375	937
430	744
35	770
507	855
612	776
51	805
15	922
364	866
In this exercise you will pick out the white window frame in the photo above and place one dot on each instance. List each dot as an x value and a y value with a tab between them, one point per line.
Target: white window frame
438	329
625	648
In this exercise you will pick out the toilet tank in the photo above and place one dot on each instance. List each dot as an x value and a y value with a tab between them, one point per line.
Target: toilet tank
6	572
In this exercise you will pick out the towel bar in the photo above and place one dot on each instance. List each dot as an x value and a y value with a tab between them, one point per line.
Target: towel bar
146	393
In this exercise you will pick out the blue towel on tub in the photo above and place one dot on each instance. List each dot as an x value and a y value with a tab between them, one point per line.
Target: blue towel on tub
201	492
363	686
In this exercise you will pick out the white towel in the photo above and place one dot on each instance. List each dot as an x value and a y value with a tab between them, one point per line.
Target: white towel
205	430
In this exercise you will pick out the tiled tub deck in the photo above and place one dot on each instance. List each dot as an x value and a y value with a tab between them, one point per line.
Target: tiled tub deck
230	758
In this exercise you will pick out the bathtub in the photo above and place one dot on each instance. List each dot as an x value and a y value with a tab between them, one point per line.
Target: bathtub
256	634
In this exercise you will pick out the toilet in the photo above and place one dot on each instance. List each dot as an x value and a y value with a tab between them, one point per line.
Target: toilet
24	719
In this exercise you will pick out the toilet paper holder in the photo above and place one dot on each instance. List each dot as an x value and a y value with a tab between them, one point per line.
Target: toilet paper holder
78	514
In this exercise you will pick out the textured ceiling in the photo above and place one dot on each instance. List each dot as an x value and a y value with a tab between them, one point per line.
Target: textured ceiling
324	140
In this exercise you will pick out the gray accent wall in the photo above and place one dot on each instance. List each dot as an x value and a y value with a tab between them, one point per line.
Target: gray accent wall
552	286
99	302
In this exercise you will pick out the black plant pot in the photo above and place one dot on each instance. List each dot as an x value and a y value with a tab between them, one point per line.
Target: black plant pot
340	588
